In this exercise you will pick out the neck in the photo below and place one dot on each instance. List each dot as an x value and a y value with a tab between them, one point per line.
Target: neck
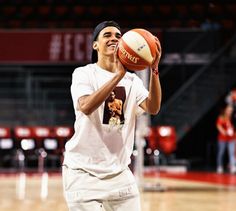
107	64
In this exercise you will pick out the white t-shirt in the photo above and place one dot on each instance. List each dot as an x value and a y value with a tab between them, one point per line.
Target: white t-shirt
103	141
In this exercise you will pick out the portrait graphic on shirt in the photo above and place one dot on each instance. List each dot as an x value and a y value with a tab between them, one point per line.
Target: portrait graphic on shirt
113	110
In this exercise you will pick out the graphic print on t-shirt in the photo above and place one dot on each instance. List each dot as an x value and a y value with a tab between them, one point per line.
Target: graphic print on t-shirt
113	110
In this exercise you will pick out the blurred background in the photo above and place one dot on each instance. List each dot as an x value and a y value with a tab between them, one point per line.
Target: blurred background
43	41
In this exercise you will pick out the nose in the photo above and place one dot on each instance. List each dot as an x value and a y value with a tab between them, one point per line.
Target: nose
114	38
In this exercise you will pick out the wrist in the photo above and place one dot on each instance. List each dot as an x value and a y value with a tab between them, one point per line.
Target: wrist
119	75
155	71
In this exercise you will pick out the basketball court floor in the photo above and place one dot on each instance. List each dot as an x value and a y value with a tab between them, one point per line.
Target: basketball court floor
180	192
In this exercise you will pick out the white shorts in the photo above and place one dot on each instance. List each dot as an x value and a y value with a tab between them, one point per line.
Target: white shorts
85	192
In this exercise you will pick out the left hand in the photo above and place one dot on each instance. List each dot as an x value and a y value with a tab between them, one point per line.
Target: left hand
155	64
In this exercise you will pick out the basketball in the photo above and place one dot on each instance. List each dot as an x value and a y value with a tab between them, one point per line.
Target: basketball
137	49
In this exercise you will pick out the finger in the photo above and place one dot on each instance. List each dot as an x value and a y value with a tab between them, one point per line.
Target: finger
158	44
159	53
158	47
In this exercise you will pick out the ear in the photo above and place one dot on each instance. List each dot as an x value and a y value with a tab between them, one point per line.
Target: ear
95	45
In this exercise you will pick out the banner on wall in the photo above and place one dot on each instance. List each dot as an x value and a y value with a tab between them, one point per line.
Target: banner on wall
45	46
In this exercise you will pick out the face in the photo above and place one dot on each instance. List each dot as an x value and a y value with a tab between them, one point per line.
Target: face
107	41
113	95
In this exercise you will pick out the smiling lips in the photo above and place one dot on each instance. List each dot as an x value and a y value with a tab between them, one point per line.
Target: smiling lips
112	45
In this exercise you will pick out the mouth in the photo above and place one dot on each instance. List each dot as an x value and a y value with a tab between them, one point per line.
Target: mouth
113	45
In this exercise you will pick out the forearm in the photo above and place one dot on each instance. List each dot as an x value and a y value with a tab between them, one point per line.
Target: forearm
88	104
152	103
221	129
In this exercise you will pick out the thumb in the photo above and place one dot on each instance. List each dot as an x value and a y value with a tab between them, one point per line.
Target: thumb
116	54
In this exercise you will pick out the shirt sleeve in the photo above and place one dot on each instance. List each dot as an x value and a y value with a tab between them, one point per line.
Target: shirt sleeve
81	84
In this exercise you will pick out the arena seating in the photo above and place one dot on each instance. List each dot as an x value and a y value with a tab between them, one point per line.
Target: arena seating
33	147
85	14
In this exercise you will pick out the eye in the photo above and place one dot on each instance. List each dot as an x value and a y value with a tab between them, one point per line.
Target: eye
118	35
107	34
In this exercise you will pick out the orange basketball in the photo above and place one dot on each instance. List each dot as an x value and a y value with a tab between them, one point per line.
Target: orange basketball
137	49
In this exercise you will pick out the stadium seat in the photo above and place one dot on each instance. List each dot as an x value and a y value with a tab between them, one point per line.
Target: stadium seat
193	23
197	11
175	23
60	11
181	11
162	138
62	134
47	148
44	11
8	11
27	144
215	11
95	11
51	145
227	24
230	10
7	147
79	11
26	12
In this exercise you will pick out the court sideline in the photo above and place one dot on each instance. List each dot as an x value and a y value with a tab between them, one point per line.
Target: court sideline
183	193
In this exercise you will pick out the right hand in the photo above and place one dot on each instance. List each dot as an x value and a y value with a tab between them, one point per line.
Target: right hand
119	66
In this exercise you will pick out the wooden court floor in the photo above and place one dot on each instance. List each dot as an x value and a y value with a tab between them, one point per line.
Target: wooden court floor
179	195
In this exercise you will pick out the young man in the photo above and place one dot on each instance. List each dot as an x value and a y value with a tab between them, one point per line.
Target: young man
95	172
